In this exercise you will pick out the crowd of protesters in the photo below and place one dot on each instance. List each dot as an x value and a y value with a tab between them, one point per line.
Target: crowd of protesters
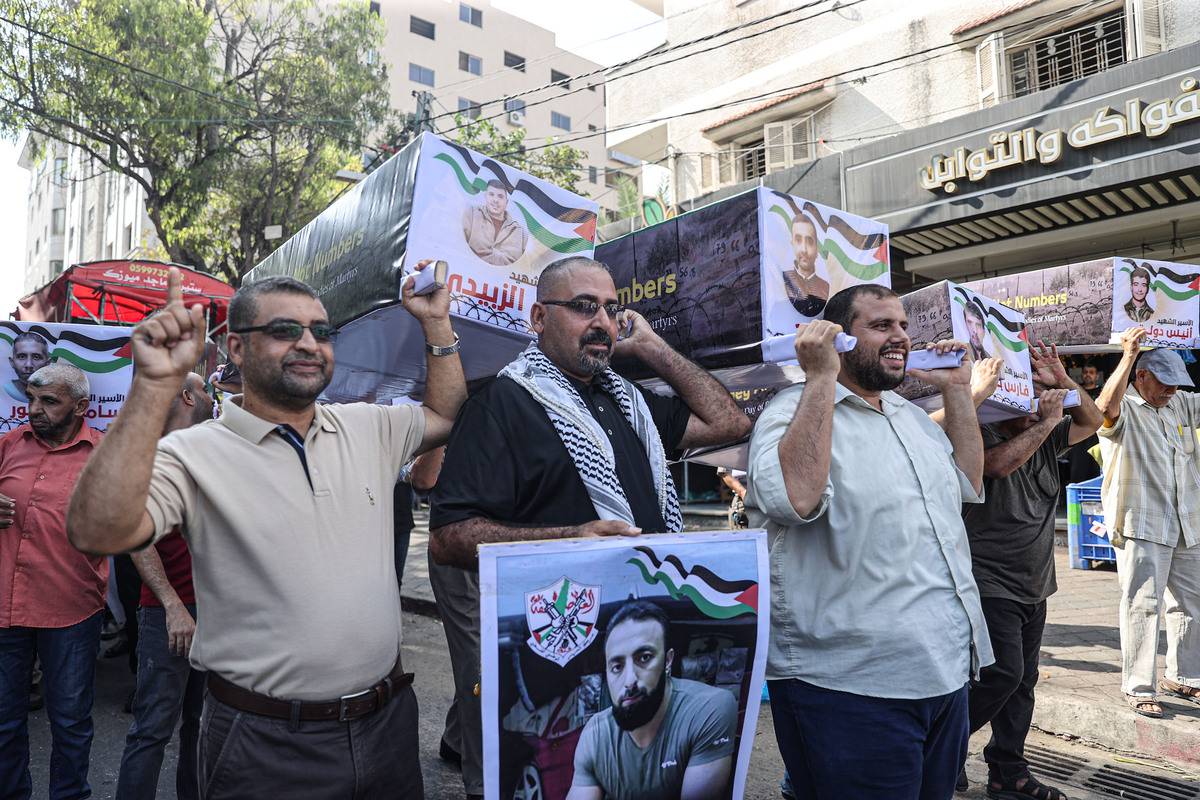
911	554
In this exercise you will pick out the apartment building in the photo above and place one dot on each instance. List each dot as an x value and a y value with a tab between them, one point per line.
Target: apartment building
861	105
469	54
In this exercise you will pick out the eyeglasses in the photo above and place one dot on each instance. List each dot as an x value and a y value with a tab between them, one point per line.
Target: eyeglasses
286	331
587	308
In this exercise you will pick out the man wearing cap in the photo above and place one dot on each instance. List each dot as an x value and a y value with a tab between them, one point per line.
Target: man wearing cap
1151	499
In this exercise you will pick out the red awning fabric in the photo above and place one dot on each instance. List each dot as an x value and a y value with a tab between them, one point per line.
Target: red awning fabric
121	292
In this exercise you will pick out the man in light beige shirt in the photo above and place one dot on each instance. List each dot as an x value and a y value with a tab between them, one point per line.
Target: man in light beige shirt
1151	499
287	507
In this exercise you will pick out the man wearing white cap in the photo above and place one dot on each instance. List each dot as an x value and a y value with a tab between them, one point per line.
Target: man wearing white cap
1151	498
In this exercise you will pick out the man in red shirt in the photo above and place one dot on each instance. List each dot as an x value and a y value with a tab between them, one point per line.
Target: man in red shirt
167	686
53	595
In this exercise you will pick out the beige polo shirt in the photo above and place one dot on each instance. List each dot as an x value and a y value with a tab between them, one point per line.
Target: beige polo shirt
295	583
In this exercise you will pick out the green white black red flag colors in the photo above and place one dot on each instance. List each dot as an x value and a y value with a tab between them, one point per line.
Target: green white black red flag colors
102	352
1162	297
584	639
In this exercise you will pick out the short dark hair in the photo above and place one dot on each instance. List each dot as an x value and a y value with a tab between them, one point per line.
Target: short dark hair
244	305
803	218
638	611
974	311
30	336
1139	272
496	183
840	308
555	272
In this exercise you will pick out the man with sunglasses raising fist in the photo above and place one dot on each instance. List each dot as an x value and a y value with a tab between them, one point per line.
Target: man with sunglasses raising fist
286	506
559	445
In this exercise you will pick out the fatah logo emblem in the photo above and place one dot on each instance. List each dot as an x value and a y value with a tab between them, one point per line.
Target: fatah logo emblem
562	619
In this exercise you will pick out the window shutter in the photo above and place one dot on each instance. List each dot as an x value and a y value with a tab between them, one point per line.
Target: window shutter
800	137
775	144
989	63
1143	28
725	166
706	171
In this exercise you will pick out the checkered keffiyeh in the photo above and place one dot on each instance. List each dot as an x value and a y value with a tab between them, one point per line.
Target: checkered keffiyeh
585	440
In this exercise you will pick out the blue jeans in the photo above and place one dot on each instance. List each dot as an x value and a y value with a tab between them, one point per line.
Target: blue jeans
68	657
841	746
167	688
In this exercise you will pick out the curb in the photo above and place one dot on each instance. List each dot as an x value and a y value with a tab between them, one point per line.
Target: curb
419	605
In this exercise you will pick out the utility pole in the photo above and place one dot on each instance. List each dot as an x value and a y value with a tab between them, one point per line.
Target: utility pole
422	119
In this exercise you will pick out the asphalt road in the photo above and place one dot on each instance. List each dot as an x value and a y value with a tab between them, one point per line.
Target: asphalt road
424	654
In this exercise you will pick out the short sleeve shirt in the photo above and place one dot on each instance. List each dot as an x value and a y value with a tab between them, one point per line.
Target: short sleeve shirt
294	573
1012	531
506	462
699	727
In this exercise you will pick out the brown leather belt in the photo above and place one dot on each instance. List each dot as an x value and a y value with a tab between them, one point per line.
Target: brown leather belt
344	709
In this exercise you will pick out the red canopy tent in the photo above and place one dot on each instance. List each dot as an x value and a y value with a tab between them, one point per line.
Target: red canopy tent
122	292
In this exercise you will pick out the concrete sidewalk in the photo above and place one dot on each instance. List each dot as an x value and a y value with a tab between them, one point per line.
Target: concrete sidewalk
1079	694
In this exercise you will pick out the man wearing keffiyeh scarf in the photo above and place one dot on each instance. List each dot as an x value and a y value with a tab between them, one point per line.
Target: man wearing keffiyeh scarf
559	445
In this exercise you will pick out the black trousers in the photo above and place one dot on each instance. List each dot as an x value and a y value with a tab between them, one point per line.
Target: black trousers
1004	694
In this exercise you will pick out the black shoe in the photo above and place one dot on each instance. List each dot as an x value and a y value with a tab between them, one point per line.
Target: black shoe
449	755
962	784
36	700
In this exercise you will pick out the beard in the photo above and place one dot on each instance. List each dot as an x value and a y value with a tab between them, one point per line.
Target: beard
868	373
280	386
594	365
47	429
642	710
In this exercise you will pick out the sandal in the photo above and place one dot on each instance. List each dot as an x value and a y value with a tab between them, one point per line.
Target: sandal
1022	789
1189	693
1146	706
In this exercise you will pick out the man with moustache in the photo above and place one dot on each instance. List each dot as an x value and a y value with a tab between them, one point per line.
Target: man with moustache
30	352
876	625
663	738
559	445
286	506
976	331
491	232
52	596
806	290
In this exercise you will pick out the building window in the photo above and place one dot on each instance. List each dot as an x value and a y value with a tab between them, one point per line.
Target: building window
421	27
752	161
470	63
556	76
514	61
58	221
561	121
612	177
374	8
784	145
60	171
470	15
468	108
128	238
1075	53
56	268
421	75
91	218
513	104
592	174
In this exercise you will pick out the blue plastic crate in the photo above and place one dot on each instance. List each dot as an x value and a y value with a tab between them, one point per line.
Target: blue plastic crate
1087	537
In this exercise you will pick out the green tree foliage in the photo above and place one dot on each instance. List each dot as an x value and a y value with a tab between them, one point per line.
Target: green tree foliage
232	115
559	164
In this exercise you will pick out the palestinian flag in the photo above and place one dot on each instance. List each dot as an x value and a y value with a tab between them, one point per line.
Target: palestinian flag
861	254
715	597
1175	285
90	353
1010	333
563	229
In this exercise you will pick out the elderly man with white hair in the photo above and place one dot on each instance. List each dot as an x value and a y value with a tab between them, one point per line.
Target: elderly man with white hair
54	595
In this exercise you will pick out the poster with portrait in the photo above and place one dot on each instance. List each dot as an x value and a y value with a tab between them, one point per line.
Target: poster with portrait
1162	297
585	641
810	252
102	352
992	330
495	226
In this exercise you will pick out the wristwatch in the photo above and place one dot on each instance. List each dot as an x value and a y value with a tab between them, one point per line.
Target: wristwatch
449	350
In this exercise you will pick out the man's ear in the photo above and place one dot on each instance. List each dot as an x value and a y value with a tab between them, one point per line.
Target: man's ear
186	395
236	345
670	659
537	318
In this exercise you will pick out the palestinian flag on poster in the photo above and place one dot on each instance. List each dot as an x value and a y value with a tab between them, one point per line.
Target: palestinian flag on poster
845	240
1010	333
1175	285
93	354
563	229
714	596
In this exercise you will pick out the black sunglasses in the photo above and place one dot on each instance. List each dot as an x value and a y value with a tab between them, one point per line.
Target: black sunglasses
587	308
286	331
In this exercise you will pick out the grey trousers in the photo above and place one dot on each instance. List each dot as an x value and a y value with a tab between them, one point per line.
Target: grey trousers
457	594
245	756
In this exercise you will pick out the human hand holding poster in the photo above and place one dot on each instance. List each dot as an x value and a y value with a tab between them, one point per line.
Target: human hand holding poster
585	642
1162	297
102	352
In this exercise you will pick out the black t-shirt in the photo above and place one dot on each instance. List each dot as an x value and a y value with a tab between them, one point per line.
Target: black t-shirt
506	462
1012	531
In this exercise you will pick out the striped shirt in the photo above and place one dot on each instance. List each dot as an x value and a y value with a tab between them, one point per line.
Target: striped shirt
1151	487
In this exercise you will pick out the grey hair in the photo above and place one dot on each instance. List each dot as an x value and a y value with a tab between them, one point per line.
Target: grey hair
244	305
68	375
554	273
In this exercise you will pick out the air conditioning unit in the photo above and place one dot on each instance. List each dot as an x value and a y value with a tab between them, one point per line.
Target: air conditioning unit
516	118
